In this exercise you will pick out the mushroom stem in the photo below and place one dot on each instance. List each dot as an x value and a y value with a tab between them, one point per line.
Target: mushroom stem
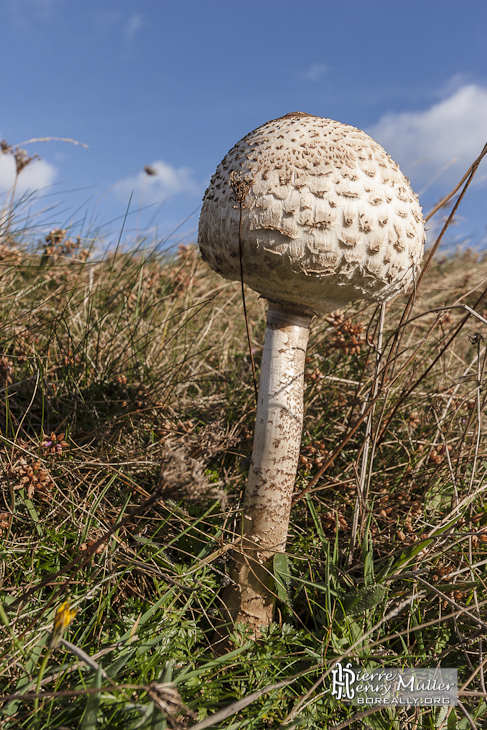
277	439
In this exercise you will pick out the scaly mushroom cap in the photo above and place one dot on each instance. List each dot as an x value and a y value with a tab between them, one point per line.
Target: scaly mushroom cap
328	218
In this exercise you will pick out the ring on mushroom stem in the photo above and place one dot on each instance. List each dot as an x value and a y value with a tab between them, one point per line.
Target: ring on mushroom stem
327	218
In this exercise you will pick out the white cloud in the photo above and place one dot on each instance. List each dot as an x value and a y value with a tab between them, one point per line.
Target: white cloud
133	24
448	136
166	182
37	175
314	72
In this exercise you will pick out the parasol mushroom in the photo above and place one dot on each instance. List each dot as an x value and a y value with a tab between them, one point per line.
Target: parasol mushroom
313	214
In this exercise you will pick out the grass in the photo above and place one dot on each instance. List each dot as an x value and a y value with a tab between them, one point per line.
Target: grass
126	416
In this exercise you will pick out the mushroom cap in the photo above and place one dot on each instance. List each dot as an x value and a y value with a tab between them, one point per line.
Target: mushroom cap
327	216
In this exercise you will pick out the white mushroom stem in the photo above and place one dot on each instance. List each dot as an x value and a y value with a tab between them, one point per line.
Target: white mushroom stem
278	428
272	474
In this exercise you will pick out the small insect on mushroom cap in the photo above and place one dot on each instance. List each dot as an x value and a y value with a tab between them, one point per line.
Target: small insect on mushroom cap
327	217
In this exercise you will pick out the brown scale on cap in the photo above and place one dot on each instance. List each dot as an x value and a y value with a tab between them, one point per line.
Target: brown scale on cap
329	217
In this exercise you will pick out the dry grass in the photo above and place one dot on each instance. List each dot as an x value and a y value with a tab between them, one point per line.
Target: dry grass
126	420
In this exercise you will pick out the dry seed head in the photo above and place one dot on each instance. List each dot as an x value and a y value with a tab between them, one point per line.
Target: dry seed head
166	697
240	185
22	159
53	444
5	518
329	217
57	244
414	420
31	476
86	545
6	371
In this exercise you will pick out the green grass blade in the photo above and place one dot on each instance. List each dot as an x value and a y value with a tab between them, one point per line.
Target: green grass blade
90	717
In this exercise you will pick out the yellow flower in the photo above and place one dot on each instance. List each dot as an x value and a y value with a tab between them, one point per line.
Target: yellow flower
64	618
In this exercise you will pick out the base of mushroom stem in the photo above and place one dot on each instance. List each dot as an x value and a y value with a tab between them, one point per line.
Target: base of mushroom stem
250	598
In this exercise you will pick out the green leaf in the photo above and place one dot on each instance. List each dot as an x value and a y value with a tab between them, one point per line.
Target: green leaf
363	599
282	577
89	721
32	512
159	719
368	554
416	548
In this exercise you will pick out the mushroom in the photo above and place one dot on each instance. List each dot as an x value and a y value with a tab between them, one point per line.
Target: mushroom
313	214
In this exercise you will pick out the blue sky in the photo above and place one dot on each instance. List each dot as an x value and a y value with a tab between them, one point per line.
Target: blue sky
174	84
